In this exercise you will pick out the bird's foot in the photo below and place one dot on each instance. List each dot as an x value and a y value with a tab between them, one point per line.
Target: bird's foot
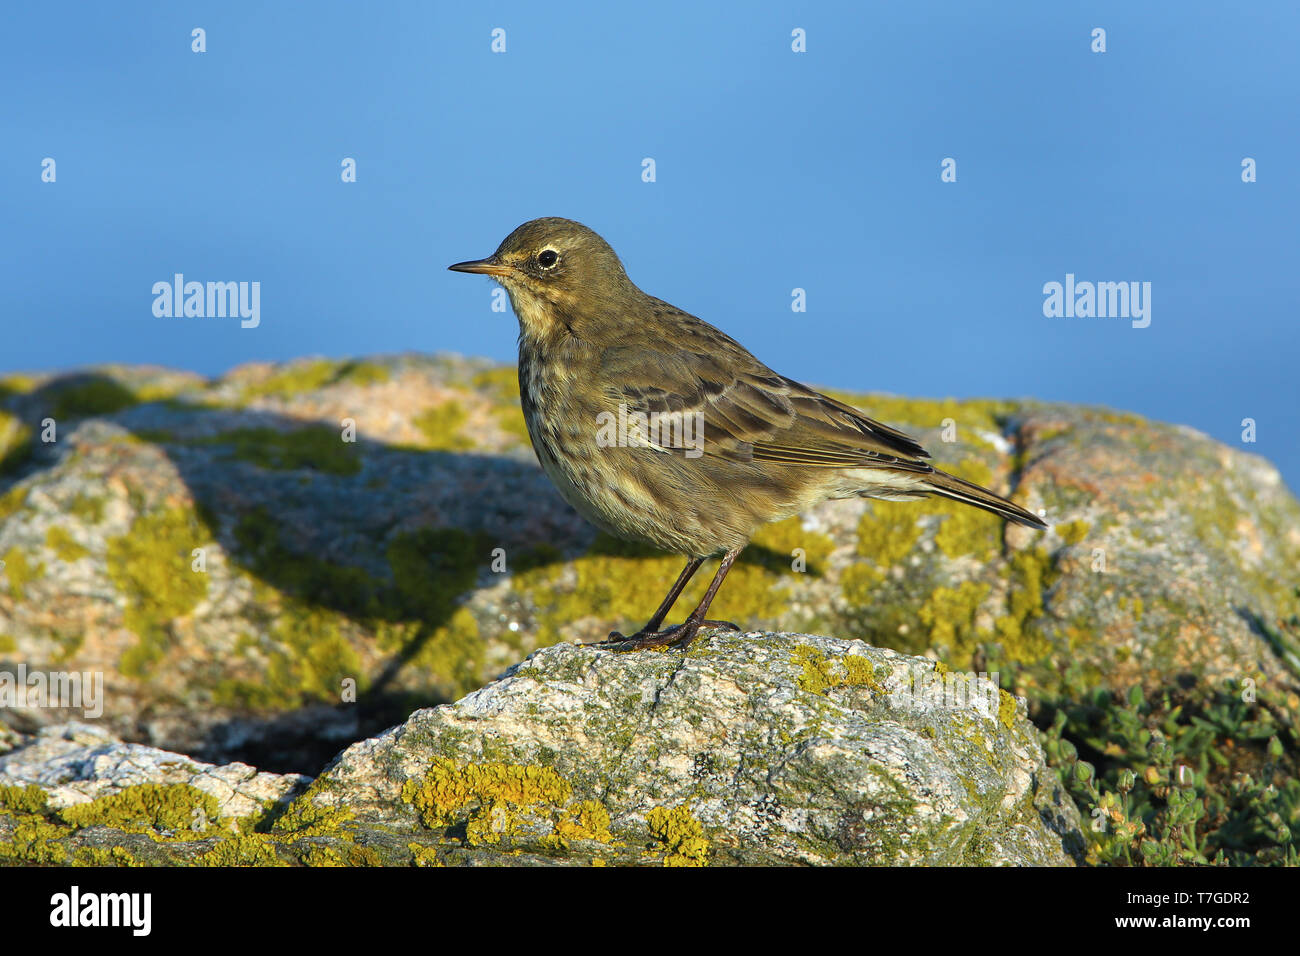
679	635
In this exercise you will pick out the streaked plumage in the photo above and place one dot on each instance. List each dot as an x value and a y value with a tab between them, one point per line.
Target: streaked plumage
590	341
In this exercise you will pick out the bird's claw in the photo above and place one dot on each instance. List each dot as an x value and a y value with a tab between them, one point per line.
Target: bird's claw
679	635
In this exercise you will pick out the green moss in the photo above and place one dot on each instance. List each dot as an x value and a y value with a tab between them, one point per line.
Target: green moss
680	836
66	641
59	541
441	426
307	653
154	436
151	567
89	509
20	572
84	399
7	644
313	447
164	811
860	672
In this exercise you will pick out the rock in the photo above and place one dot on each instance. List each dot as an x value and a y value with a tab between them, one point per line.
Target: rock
750	749
255	586
376	564
76	763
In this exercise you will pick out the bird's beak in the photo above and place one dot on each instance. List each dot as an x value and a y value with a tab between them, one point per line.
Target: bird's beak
487	267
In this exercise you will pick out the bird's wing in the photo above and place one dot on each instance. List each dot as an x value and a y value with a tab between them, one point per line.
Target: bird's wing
746	412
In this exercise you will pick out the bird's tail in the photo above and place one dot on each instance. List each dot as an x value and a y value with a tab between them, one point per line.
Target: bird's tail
950	486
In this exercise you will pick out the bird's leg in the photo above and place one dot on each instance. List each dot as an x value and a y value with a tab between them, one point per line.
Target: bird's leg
688	572
682	634
653	624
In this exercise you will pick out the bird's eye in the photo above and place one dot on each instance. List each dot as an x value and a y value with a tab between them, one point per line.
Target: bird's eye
547	258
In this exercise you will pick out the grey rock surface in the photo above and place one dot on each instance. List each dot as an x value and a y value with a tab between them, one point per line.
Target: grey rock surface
76	763
767	748
749	749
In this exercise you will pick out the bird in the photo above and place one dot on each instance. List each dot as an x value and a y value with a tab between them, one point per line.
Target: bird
661	429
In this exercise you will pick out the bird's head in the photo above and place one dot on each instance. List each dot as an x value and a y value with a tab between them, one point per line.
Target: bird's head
558	274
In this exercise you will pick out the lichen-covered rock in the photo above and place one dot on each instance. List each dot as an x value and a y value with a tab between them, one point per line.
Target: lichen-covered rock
255	584
76	795
76	763
755	749
750	749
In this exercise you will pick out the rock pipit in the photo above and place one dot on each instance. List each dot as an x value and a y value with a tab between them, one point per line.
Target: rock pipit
659	428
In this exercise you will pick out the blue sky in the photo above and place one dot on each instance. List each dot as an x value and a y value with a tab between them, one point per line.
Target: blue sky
774	170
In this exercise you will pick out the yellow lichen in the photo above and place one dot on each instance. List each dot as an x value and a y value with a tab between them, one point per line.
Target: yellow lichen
503	385
622	584
152	567
244	849
819	673
680	836
1073	531
28	799
1032	572
15	445
20	572
11	501
484	796
61	542
441	426
1006	709
173	811
89	509
585	820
